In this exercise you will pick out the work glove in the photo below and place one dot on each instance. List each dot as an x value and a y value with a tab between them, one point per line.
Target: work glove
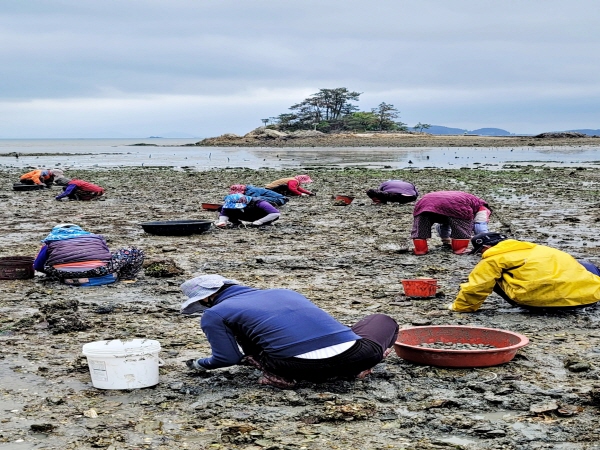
303	195
313	194
450	306
192	364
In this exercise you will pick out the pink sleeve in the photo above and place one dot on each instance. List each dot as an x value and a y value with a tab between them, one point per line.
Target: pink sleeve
295	188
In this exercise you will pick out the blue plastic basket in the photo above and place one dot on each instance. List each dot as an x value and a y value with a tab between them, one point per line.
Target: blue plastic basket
96	281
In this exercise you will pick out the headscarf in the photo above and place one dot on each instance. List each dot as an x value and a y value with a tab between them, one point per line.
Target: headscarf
237	189
303	179
57	173
62	181
65	231
236	201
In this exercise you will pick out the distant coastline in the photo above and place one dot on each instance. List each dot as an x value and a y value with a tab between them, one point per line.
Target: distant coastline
393	139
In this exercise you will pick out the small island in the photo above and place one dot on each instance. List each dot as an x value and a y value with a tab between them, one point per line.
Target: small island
329	119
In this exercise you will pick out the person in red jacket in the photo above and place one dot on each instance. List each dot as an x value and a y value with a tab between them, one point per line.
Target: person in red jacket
291	186
78	189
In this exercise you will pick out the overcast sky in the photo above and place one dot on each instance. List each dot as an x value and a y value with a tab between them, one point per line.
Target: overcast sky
138	68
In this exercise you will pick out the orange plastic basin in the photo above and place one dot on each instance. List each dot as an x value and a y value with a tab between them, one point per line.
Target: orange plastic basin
507	343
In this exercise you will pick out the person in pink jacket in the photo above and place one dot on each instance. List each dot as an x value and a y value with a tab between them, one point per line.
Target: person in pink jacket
454	211
290	186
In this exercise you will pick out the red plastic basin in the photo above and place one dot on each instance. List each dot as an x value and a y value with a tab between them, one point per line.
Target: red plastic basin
507	343
347	199
211	206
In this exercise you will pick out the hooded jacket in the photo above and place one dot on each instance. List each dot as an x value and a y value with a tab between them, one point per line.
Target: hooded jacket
457	204
529	274
37	176
283	323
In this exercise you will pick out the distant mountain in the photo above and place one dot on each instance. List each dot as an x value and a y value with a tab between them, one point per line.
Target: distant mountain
438	129
588	132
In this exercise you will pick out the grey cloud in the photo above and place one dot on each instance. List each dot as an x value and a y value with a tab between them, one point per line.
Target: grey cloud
112	49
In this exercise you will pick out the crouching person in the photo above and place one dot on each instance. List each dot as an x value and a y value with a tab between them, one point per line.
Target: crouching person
71	253
528	275
239	208
78	189
282	333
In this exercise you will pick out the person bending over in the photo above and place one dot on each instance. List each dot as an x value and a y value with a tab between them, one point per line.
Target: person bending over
238	208
41	177
282	333
455	211
78	189
274	198
69	252
394	191
291	186
528	275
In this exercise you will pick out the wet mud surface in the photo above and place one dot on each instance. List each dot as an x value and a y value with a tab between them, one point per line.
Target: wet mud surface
349	260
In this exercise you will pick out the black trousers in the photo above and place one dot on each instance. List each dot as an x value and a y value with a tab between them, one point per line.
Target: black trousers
378	332
498	290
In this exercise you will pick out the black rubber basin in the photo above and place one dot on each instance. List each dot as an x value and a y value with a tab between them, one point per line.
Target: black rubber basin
176	227
27	187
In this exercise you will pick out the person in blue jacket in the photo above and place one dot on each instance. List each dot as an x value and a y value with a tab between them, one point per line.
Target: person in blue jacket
274	198
282	333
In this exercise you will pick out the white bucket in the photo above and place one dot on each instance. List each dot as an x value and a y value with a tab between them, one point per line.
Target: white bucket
120	364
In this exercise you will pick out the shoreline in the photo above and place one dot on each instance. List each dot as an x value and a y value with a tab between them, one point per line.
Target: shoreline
396	140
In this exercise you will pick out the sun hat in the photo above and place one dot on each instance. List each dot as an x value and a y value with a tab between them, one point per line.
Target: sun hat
57	173
486	240
303	179
199	288
236	201
237	189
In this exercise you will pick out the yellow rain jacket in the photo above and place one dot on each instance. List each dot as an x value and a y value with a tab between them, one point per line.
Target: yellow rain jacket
530	274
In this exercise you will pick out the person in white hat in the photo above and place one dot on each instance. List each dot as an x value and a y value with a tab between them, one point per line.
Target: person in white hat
282	333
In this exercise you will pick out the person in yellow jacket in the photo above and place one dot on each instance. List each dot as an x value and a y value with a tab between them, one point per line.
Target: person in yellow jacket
528	275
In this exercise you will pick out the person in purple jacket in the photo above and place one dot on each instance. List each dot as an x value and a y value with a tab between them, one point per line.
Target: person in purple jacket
395	191
238	208
70	253
456	212
282	333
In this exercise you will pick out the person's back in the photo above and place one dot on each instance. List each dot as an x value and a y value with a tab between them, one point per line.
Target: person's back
530	275
282	322
399	187
279	182
87	186
79	249
265	194
450	203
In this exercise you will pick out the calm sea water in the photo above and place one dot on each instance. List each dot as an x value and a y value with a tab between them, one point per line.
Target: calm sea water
109	153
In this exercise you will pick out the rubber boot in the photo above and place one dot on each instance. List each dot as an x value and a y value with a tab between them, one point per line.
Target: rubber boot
420	246
460	246
446	242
